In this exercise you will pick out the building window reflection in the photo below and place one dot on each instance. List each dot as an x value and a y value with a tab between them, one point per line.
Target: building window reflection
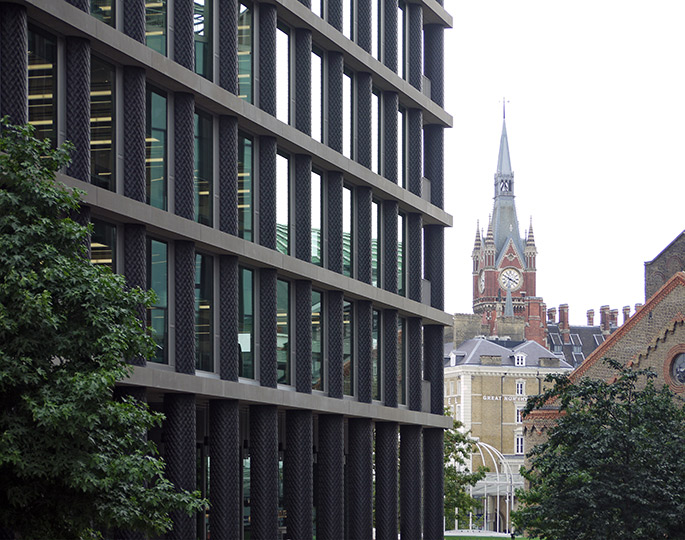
347	114
317	340
283	204
347	232
155	149
245	51
245	323
42	67
317	94
203	168
375	243
155	25
103	10
202	28
103	244
283	73
157	314
348	348
204	290
316	219
102	124
401	361
401	147
283	331
401	254
244	186
376	355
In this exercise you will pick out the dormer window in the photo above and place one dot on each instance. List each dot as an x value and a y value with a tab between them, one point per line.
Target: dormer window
520	360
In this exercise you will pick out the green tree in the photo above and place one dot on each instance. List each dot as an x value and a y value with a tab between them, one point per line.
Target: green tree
613	467
73	462
458	478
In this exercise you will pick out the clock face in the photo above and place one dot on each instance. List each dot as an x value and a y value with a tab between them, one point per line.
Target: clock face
481	282
510	279
678	368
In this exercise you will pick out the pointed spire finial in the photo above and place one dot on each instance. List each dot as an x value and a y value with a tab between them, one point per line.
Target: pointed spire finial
504	107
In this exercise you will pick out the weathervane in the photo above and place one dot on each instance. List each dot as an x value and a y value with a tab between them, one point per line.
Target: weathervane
504	107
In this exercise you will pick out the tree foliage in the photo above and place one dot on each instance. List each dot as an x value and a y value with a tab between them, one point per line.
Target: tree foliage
458	478
73	462
613	467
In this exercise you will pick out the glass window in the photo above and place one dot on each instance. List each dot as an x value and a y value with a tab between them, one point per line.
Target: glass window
401	255
202	27
375	243
347	232
347	114
520	360
316	206
317	93
155	149
519	416
317	340
42	67
401	148
203	168
283	331
155	25
282	204
520	388
157	314
244	186
376	355
519	444
103	244
401	361
375	33
102	124
316	7
375	131
283	74
245	323
103	10
204	290
347	18
401	39
348	349
245	52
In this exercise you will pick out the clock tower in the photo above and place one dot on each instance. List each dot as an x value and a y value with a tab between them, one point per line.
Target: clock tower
504	261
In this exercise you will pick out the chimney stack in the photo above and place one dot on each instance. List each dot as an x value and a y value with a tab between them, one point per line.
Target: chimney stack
638	306
552	315
590	317
614	318
563	323
626	314
605	320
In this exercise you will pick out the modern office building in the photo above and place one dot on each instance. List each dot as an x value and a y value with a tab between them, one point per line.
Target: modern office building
274	171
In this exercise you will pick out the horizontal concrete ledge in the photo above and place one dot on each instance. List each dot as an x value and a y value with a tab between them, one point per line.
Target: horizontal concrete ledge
207	387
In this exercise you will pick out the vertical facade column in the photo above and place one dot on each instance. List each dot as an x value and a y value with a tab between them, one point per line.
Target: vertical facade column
362	140
415	44
414	150
78	106
410	481
226	474
389	241
364	346
433	368
268	362
433	165
228	174
389	352
134	20
335	344
390	34
389	140
14	79
334	220
135	269
360	477
184	37
263	472
414	364
184	282
299	479
134	133
434	47
303	80
334	112
334	14
330	479
184	155
228	45
433	478
303	336
266	208
434	261
228	318
179	453
364	33
363	233
267	59
303	196
413	255
386	481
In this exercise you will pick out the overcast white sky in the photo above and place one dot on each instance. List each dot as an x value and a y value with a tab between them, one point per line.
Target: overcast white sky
595	118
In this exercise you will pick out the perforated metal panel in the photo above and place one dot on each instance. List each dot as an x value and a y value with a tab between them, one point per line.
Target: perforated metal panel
363	123
228	318
263	472
410	480
228	45
386	481
329	517
184	39
134	20
184	280
334	189
363	258
414	150
303	218
303	76
360	477
228	174
268	366
299	476
184	155
414	363
415	44
364	345
134	133
335	343
389	141
267	192
389	352
267	57
78	107
303	336
433	477
14	63
335	100
135	269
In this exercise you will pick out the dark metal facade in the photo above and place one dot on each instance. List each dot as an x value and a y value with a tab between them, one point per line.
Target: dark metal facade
300	392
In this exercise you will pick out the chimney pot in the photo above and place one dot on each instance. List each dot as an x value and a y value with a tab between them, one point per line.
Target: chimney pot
590	317
626	314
